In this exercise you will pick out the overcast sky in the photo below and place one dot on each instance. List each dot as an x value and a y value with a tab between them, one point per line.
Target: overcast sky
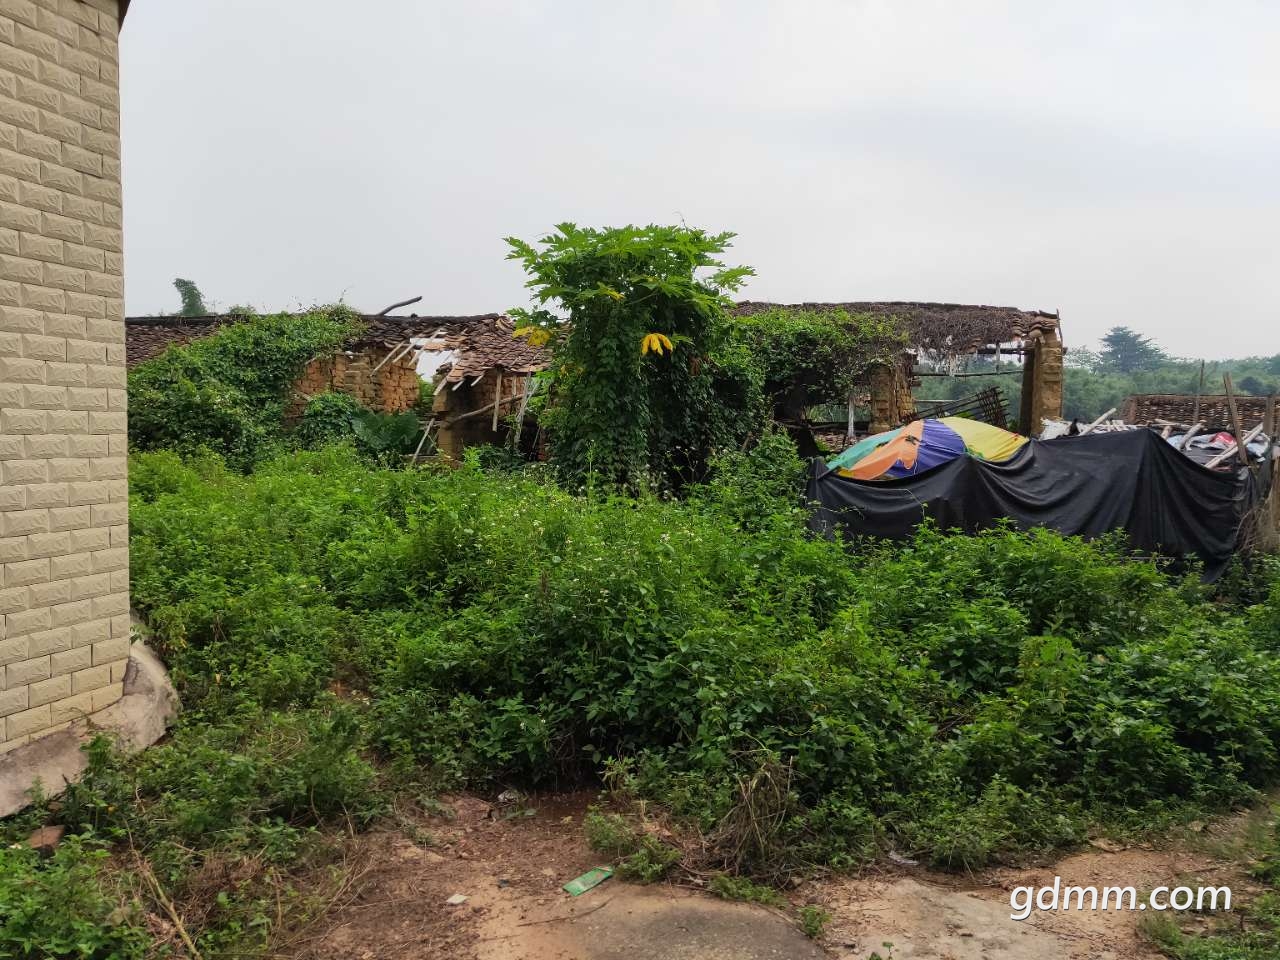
1120	163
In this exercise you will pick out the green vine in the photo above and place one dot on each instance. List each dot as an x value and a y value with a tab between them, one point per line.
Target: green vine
647	386
810	357
227	392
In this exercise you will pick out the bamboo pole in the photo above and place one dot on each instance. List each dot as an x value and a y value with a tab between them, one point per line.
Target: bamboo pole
1235	420
1097	423
497	396
1241	445
1195	416
1182	444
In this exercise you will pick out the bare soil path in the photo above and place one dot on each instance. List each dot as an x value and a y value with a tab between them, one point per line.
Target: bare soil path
510	866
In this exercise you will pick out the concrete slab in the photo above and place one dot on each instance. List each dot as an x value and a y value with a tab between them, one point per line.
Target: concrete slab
137	720
649	923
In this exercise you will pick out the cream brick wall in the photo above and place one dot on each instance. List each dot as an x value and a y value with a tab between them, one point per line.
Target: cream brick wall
64	564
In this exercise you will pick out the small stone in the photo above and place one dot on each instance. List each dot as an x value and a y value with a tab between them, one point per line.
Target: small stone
1110	846
456	900
45	840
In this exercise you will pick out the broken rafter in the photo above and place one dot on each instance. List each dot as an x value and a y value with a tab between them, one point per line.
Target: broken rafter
1238	448
497	393
485	409
1235	420
426	432
1186	438
397	352
401	303
1097	423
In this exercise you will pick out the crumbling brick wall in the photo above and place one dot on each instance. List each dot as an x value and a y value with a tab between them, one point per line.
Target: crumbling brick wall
891	403
1042	382
393	388
1213	410
64	592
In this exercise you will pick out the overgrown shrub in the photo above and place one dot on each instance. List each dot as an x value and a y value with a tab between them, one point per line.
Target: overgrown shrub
815	357
962	699
647	387
227	392
327	418
69	905
640	856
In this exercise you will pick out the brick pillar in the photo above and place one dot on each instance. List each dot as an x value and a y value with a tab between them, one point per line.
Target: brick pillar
891	400
1042	383
64	578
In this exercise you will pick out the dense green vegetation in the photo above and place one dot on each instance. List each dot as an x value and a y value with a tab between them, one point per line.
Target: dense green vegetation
811	358
350	637
227	392
647	384
957	699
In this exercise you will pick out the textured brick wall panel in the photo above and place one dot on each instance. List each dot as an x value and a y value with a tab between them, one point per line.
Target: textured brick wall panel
64	630
392	389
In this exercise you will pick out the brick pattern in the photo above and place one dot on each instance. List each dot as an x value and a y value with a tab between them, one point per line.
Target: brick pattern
64	564
1212	409
392	389
1042	383
890	401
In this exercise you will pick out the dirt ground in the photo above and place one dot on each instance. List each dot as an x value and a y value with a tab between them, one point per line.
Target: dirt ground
509	862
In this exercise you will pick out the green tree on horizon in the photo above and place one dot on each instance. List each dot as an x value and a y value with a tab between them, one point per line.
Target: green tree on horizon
193	304
1126	351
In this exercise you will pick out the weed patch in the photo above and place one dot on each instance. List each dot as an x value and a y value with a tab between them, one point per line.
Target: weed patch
339	631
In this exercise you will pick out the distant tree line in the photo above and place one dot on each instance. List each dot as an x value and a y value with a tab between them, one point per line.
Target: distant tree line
1125	363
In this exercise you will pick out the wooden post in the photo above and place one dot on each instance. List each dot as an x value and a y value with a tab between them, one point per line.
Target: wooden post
1195	417
497	400
850	431
1235	420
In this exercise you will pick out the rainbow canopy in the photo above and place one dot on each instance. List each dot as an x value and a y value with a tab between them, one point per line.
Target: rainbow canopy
922	445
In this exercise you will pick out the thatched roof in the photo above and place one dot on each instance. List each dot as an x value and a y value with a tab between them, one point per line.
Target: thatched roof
482	342
938	328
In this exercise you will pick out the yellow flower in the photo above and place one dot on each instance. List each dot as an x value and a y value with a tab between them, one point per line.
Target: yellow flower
655	342
538	336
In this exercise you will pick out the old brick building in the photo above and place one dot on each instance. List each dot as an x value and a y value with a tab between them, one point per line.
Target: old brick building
466	362
64	601
943	331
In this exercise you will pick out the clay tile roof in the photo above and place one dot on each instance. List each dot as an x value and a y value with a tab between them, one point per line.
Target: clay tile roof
483	342
147	337
948	328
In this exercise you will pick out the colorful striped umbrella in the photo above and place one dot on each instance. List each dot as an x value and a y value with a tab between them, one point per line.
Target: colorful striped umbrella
923	444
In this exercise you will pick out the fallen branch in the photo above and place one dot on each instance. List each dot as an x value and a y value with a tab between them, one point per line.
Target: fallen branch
163	899
402	303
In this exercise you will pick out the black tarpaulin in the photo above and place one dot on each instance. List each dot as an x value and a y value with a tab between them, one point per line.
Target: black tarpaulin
1091	485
